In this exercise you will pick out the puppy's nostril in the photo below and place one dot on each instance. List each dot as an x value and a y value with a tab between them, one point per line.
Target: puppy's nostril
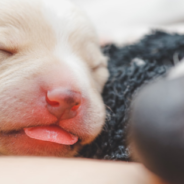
75	107
52	103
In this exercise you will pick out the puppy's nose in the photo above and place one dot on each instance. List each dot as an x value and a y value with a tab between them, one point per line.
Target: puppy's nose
157	128
63	103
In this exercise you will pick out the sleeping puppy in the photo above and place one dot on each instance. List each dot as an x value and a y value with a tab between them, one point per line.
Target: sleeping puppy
52	73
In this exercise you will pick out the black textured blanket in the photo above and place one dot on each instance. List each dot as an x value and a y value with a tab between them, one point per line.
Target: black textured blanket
130	67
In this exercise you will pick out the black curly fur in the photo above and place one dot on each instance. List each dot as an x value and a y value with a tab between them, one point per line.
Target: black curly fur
130	67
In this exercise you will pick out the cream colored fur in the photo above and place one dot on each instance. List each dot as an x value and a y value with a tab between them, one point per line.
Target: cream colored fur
44	46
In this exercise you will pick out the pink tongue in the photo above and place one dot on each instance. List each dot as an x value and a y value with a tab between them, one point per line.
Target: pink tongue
51	134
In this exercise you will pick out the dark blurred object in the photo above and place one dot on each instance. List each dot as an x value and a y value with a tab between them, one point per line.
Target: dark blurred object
157	128
130	67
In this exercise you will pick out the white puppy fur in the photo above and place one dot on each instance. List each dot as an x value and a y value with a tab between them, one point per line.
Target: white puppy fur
46	46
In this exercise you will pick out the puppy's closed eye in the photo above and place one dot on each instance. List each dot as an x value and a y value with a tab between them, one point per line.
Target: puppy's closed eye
100	73
99	66
4	54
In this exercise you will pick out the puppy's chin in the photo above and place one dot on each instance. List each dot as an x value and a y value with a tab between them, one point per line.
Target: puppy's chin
20	144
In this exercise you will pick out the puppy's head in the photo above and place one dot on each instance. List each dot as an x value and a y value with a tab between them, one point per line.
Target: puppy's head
51	75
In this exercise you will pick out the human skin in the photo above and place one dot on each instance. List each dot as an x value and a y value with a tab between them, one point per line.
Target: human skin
36	170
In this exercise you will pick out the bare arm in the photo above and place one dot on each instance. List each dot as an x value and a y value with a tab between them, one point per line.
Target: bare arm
69	171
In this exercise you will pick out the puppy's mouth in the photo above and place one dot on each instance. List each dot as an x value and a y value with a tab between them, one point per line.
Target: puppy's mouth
49	133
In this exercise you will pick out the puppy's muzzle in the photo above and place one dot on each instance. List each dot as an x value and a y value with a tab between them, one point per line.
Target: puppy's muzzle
63	103
157	128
